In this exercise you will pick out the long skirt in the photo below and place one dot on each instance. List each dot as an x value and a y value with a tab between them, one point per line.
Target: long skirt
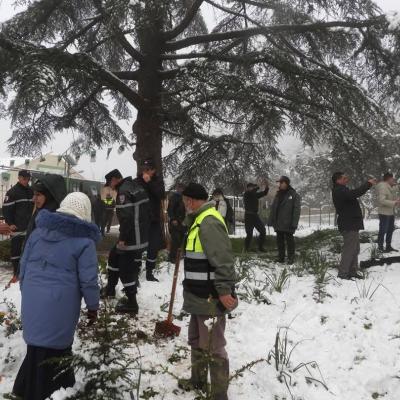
37	378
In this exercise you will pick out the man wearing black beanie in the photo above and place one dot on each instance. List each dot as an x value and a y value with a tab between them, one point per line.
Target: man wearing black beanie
208	291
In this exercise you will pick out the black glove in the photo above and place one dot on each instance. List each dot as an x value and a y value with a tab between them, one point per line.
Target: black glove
91	316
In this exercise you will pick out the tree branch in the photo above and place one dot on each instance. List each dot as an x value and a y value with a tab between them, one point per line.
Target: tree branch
119	34
214	140
75	61
75	35
247	33
188	18
127	75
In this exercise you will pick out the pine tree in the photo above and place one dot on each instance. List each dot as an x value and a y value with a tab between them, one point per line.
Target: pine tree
325	71
108	357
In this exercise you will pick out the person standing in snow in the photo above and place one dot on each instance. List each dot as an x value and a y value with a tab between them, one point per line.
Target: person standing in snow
17	211
387	201
208	293
108	199
349	222
284	218
125	258
153	183
58	267
176	217
252	220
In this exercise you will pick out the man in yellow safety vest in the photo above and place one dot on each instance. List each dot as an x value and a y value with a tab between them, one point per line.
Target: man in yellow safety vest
208	292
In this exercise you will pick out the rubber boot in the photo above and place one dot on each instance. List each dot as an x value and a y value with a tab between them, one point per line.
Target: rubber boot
219	371
198	379
128	305
150	276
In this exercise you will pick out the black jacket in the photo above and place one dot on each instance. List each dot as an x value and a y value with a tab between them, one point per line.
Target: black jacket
18	206
133	214
250	199
349	214
156	192
176	208
285	211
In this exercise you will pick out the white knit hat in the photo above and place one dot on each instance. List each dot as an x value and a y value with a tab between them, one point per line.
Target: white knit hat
78	205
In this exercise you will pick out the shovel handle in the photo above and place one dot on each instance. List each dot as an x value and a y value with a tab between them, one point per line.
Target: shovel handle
174	283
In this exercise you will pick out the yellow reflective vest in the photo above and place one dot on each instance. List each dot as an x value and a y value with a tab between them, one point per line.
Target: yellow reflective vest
199	273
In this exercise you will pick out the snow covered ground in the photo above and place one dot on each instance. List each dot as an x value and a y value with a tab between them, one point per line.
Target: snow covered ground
352	343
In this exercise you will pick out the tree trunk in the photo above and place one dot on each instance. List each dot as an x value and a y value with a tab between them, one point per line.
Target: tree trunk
147	127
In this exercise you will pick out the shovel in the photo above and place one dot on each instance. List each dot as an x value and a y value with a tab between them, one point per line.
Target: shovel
166	329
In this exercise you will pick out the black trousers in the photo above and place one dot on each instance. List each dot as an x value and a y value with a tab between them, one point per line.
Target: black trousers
124	265
16	250
106	222
155	245
37	377
177	233
283	240
251	222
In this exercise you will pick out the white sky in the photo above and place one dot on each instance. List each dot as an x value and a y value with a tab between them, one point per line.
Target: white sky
124	161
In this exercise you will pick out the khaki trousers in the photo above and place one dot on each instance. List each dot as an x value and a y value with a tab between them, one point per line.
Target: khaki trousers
212	342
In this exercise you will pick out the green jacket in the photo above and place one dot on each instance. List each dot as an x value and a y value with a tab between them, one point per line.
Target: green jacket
217	247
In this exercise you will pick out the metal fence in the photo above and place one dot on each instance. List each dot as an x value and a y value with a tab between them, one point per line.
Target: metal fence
321	216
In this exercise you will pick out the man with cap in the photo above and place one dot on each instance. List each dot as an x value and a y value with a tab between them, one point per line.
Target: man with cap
208	293
17	211
155	188
284	218
349	221
252	220
125	259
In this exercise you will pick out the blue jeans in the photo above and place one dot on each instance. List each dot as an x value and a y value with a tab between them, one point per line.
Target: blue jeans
386	227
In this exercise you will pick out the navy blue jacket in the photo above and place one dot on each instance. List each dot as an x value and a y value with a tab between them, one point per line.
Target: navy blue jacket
58	267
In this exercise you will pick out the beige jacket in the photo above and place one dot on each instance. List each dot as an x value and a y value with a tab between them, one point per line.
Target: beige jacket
387	196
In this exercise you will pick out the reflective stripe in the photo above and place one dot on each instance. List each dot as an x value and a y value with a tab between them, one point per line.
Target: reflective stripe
125	205
151	261
17	234
199	276
195	256
129	284
135	204
15	258
136	223
135	247
138	260
112	269
17	201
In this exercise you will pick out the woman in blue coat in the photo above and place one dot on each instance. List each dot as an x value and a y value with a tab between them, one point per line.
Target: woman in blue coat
59	267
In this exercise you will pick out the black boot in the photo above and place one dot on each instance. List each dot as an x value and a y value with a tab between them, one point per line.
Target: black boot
357	275
389	249
150	276
128	304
